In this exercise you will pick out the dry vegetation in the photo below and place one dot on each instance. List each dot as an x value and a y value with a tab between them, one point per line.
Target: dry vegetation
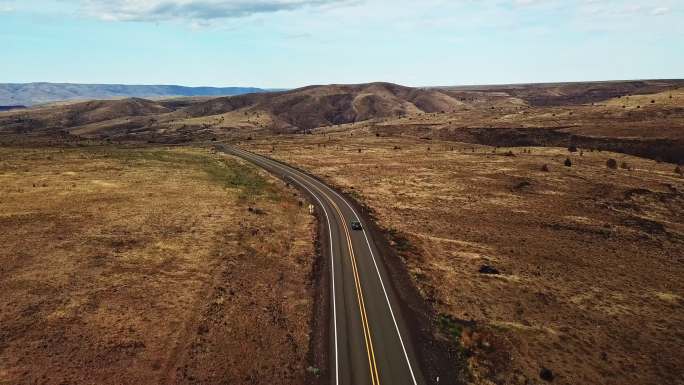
542	264
140	266
573	274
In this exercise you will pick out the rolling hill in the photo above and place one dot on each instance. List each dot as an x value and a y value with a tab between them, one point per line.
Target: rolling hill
643	118
315	106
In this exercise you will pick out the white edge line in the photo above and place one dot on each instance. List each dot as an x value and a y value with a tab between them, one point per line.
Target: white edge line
332	265
396	326
382	284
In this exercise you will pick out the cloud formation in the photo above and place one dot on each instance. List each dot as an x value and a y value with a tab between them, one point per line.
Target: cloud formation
197	10
660	11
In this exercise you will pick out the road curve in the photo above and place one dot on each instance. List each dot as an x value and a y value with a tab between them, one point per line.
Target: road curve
370	343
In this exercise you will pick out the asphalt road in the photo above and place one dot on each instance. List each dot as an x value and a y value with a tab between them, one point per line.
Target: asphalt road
369	339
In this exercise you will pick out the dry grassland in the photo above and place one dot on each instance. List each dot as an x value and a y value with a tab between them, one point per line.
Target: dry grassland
142	266
589	286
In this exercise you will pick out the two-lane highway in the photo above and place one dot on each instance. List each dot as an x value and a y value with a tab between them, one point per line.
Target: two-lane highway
370	343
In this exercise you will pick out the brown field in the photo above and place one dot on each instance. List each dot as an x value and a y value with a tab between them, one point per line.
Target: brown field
141	266
144	265
587	285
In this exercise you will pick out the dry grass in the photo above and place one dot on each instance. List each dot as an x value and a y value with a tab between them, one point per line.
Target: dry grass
130	266
581	249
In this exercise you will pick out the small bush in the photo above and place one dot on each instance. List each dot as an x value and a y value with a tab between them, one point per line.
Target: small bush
450	326
568	162
545	168
572	148
314	370
611	163
678	170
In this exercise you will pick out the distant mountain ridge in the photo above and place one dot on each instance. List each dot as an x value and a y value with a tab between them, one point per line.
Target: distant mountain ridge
30	94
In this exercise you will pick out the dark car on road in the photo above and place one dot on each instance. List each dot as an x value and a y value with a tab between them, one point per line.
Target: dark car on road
356	225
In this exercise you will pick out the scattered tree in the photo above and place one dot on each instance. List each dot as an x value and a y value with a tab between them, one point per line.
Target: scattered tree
611	163
568	162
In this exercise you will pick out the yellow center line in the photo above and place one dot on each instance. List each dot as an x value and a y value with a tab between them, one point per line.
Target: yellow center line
375	378
359	293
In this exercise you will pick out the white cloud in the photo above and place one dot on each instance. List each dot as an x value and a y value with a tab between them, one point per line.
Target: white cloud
195	10
660	11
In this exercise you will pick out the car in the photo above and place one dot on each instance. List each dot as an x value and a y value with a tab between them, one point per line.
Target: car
356	225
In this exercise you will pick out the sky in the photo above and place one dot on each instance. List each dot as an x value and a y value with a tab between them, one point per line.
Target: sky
292	43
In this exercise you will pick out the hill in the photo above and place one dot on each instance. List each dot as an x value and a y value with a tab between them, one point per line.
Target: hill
643	118
575	93
323	105
29	94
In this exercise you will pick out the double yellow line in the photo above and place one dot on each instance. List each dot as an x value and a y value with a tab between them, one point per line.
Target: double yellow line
375	378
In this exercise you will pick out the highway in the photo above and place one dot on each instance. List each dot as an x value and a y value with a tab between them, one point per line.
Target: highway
369	341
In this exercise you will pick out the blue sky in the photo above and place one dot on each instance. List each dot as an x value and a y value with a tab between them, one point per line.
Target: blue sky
291	43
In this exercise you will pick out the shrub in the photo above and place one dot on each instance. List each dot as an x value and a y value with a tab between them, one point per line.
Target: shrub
568	162
572	148
625	166
611	163
314	370
545	168
678	170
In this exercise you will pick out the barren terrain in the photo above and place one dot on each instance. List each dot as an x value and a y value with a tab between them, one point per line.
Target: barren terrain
644	118
177	266
150	265
571	274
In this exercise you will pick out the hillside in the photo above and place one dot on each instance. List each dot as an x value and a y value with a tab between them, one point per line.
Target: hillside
315	106
643	118
576	93
29	94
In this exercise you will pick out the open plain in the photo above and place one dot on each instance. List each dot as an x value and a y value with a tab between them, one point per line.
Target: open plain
536	269
150	265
